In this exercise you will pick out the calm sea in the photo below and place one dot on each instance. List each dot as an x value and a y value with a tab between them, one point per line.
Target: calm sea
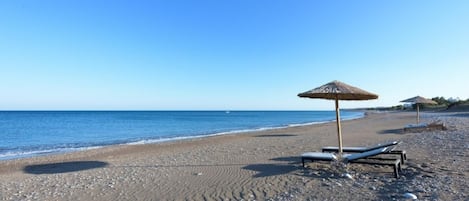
33	133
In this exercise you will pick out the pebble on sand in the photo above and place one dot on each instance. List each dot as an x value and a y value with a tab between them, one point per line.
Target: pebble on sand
410	196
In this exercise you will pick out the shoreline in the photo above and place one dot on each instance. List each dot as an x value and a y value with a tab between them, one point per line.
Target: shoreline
113	149
261	165
65	150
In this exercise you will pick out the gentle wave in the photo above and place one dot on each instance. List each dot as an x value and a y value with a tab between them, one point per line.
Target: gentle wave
33	153
16	153
152	141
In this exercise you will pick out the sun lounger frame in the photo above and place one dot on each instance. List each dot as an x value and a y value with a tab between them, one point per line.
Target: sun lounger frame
395	163
362	158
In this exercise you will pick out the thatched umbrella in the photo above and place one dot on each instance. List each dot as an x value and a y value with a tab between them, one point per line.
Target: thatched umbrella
417	101
336	90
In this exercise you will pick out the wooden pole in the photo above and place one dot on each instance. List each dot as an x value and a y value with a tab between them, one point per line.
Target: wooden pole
339	131
418	118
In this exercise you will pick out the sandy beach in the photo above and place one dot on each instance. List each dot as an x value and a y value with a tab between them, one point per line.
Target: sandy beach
262	165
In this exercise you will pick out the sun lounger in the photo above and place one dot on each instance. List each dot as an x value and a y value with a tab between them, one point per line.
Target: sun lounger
401	153
363	158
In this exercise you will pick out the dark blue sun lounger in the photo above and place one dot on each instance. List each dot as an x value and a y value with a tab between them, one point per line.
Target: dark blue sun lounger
401	153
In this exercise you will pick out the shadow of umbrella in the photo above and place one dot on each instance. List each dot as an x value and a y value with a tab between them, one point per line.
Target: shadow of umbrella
336	90
64	167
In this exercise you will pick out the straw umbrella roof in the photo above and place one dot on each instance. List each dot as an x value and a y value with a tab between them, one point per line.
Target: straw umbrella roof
338	90
419	99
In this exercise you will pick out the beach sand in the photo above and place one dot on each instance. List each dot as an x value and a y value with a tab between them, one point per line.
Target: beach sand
261	165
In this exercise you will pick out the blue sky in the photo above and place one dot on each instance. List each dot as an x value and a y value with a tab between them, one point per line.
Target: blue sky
227	55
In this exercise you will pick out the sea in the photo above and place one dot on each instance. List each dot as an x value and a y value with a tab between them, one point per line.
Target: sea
35	133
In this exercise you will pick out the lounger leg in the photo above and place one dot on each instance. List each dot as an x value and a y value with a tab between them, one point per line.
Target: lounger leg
396	169
403	156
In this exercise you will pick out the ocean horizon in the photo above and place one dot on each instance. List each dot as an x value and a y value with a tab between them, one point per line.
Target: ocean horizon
36	133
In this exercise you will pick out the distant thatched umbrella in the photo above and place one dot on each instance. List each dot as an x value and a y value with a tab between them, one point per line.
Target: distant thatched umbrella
419	100
336	90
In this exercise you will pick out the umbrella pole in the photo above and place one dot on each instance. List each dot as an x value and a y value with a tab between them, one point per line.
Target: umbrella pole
418	118
339	132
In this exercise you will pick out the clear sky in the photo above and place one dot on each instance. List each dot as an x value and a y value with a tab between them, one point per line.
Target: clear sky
227	54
